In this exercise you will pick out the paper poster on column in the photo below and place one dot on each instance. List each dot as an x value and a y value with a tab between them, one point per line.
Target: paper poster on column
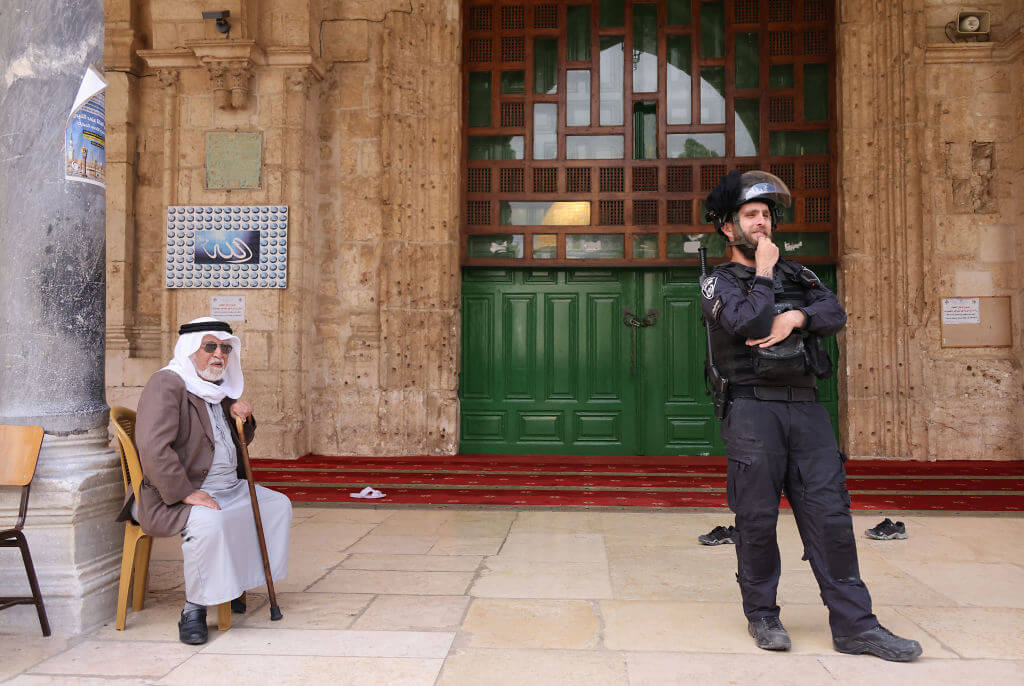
85	152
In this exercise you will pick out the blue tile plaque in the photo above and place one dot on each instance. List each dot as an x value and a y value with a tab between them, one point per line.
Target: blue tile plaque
227	246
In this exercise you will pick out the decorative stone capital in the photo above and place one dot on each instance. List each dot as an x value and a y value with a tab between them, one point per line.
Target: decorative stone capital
167	78
232	63
229	81
297	79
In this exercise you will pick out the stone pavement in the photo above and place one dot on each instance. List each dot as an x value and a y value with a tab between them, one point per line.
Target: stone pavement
476	597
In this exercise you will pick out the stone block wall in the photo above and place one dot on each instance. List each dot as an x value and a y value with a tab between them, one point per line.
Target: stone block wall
930	199
358	104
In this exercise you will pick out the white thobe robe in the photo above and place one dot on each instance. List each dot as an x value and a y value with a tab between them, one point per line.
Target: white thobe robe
220	550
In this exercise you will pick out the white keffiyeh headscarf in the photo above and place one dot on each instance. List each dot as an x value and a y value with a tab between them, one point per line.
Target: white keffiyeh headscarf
232	383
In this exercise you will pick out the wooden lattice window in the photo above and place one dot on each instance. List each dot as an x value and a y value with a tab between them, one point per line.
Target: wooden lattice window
614	118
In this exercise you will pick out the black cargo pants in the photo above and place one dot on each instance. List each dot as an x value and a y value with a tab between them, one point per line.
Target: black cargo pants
775	447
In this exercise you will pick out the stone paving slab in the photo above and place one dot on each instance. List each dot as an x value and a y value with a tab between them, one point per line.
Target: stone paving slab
472	598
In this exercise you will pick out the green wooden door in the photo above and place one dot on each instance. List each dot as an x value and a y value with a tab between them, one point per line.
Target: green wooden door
548	365
676	416
545	362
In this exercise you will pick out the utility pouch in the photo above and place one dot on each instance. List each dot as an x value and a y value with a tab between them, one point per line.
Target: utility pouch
785	359
818	361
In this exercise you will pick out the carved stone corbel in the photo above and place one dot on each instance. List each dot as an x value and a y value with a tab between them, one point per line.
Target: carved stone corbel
230	83
238	82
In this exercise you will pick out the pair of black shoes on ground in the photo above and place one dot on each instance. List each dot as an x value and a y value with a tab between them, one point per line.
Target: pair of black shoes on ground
192	625
769	634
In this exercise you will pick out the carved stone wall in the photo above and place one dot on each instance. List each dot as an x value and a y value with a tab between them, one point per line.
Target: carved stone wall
930	136
359	105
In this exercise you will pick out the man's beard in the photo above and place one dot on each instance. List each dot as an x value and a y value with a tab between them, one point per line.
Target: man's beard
212	374
745	250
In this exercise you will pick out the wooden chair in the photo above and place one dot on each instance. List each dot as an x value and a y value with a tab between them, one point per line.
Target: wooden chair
19	452
137	544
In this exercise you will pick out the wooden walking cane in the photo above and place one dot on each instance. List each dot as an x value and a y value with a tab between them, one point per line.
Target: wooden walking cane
275	611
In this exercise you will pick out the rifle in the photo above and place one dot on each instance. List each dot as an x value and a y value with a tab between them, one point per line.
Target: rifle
719	385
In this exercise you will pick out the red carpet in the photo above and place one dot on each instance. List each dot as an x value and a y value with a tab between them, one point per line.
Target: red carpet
626	481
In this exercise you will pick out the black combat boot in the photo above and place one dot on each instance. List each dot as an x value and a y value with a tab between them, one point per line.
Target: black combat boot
769	634
879	642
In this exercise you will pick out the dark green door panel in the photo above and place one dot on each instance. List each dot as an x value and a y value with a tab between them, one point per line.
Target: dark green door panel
542	368
548	365
676	414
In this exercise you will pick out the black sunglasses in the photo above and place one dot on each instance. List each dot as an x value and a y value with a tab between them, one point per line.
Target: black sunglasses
212	347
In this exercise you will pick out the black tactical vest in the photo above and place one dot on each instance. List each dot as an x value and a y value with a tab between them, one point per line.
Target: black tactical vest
785	363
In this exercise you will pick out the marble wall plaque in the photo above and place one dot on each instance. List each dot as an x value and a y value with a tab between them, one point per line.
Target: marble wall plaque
233	159
227	246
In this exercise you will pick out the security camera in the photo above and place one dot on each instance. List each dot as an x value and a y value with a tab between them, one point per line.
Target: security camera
223	25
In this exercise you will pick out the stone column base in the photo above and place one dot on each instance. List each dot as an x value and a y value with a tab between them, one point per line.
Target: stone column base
74	540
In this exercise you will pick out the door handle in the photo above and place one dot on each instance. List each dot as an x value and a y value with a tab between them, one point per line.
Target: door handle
629	318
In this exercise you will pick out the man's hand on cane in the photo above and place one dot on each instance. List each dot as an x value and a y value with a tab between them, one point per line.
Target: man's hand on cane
241	409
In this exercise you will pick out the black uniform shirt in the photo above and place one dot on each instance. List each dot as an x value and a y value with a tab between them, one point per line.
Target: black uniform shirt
740	308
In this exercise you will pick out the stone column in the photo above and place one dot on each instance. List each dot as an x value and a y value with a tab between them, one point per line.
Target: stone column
52	320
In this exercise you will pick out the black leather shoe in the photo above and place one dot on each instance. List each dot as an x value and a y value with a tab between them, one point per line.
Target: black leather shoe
879	642
769	634
238	605
192	627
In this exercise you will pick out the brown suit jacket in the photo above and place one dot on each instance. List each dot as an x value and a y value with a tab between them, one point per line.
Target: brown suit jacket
175	443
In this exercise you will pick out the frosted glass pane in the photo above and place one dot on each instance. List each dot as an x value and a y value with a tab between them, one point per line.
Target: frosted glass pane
645	48
496	147
687	244
513	81
545	65
678	79
527	213
645	130
645	247
815	92
545	131
545	246
712	95
502	245
712	29
748	64
612	63
577	97
591	246
612	13
479	98
593	147
696	145
748	127
798	143
577	40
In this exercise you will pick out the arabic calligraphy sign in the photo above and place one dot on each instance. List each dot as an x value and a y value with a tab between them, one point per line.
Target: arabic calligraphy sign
224	246
227	247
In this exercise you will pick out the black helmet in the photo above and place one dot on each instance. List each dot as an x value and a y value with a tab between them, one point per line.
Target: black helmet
737	188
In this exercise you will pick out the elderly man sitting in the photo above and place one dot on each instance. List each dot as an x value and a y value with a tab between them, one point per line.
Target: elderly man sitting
194	483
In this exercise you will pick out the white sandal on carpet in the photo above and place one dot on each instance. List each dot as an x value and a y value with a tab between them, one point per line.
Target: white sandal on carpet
369	493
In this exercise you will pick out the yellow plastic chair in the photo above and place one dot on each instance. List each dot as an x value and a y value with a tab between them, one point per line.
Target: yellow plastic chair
138	544
19	452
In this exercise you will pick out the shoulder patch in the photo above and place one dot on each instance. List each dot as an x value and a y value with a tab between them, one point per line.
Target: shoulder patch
707	287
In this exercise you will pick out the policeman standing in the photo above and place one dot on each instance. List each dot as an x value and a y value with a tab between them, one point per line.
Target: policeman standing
766	317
